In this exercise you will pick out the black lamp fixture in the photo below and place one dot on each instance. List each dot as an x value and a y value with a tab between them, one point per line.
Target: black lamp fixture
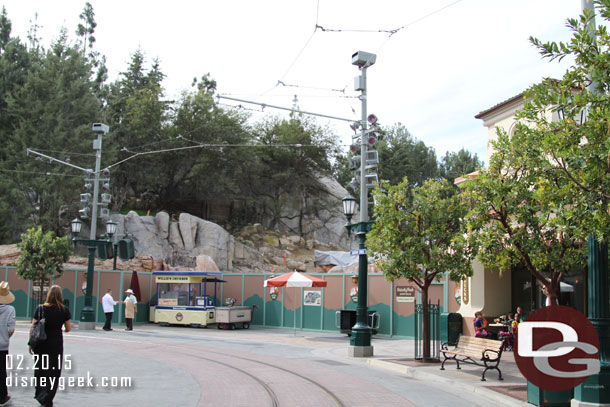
111	228
76	225
349	207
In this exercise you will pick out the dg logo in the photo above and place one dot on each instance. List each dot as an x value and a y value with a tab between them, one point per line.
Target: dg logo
557	348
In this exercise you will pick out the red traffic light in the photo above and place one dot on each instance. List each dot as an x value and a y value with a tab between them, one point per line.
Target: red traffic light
372	119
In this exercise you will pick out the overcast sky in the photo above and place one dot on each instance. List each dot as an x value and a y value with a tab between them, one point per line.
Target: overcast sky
449	61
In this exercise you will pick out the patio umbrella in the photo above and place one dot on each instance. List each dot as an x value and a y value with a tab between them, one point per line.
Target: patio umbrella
295	279
135	285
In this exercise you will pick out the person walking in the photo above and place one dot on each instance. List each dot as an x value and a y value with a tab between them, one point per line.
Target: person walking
50	352
108	304
131	309
7	329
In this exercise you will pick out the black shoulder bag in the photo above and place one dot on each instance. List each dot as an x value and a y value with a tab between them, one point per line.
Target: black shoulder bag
38	334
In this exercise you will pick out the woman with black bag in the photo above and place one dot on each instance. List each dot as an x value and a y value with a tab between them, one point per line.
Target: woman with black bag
49	353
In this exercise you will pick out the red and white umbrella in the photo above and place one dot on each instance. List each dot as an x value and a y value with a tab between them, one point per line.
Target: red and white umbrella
295	279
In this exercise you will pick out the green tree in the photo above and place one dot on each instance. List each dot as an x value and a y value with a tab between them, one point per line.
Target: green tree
455	165
292	156
15	63
578	146
526	213
42	257
401	155
215	153
50	111
547	187
86	29
138	117
419	235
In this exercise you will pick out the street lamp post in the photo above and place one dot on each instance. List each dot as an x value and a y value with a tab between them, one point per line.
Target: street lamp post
87	317
595	391
360	341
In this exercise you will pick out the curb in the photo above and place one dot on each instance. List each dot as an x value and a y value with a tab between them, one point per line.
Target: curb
416	373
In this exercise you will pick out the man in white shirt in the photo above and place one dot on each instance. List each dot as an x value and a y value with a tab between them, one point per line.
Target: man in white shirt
108	304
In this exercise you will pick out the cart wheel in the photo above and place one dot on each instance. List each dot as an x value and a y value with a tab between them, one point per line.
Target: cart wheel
246	325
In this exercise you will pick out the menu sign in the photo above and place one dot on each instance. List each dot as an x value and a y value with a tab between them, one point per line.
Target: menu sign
405	294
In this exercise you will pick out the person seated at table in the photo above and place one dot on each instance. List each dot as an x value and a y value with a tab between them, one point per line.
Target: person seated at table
480	325
518	318
506	334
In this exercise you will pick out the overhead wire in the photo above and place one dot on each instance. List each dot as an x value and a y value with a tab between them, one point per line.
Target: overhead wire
40	173
206	145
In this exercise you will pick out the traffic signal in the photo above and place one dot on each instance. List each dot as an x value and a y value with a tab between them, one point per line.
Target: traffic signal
104	250
126	249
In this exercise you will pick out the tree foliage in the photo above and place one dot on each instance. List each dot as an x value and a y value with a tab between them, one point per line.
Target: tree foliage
42	256
401	155
457	164
186	154
547	186
525	213
578	146
419	235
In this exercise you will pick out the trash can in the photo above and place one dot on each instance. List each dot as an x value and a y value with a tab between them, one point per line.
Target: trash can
454	327
345	319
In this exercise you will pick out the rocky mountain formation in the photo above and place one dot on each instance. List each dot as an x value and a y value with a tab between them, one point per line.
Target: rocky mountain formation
189	242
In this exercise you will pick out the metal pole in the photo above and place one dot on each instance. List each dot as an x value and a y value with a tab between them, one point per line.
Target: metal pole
360	340
97	145
115	246
87	318
595	391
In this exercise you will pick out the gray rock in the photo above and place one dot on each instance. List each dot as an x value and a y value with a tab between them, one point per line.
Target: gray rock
162	222
175	239
188	227
146	239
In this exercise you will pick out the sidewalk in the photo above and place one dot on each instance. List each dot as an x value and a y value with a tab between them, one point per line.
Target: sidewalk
512	391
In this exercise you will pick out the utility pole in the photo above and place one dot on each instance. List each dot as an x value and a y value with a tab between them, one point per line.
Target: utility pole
87	317
360	341
595	391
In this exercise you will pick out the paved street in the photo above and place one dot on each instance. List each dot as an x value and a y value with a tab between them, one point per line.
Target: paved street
256	367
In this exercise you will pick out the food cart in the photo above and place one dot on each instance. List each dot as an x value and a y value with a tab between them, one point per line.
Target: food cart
186	297
231	317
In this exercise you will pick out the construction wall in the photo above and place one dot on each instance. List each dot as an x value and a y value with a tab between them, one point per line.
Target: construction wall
303	308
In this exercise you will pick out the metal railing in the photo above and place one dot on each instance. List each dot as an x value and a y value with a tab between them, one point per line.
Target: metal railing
434	311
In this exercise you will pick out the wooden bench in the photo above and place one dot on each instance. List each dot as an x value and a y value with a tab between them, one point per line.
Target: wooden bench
477	351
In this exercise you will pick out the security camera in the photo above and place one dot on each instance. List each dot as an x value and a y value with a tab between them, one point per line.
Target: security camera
363	59
100	128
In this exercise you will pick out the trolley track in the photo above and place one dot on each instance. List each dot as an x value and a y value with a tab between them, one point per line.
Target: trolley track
275	403
195	353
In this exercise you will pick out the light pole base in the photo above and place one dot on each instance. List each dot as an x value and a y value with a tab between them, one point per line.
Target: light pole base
594	391
578	403
86	326
360	351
